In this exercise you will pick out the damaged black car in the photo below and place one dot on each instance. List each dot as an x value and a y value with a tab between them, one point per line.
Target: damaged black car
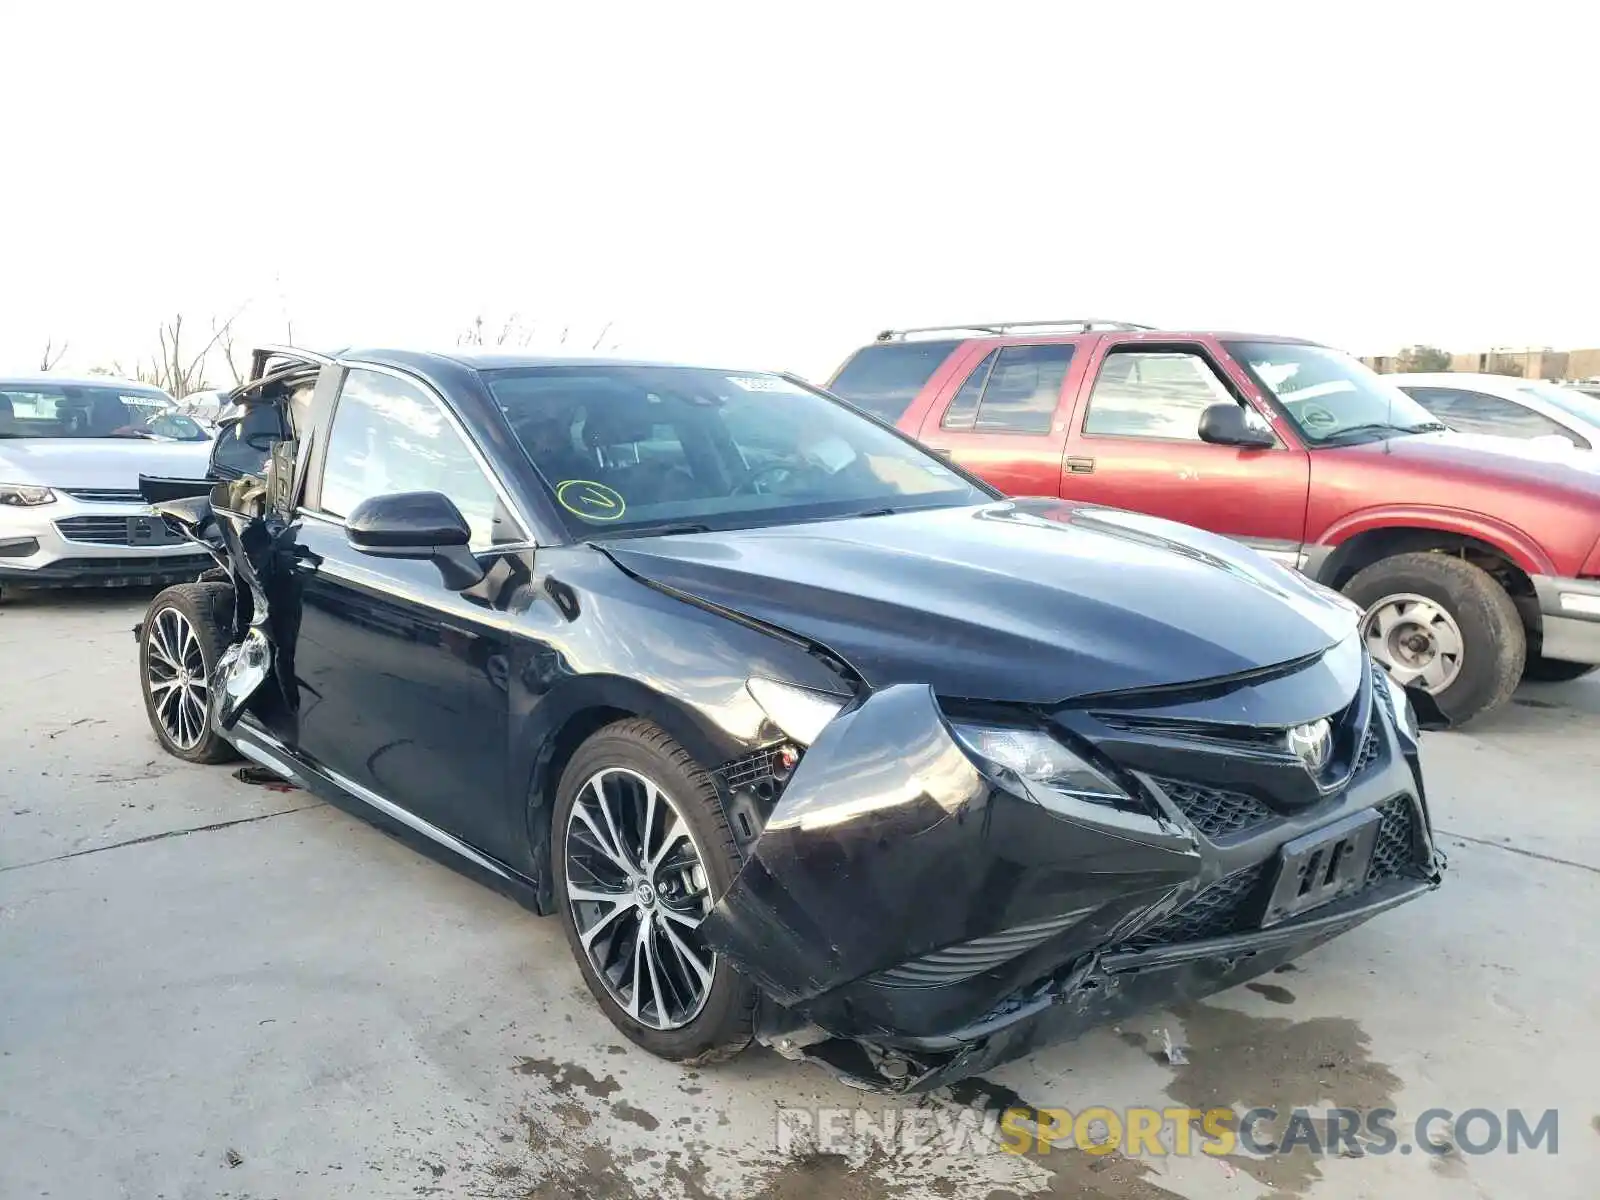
803	734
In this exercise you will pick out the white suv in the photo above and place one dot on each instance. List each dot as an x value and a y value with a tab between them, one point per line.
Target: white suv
71	453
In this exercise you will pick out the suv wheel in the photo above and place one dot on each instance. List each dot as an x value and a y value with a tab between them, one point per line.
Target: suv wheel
1553	670
185	631
640	852
1444	625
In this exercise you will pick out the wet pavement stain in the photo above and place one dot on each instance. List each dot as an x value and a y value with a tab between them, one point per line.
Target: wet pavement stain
1235	1059
1278	995
562	1077
624	1111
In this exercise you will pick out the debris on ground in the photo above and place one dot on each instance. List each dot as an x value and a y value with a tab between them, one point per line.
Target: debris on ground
1174	1053
232	1157
262	777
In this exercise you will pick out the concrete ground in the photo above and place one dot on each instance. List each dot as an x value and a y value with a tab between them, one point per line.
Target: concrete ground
209	989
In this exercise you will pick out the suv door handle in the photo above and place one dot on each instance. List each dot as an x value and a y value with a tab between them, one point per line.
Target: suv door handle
938	450
1080	466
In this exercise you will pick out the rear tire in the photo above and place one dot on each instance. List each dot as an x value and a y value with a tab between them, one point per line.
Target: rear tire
185	630
699	1013
1442	615
1553	670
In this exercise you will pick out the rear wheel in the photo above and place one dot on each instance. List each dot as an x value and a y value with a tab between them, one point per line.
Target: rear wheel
184	633
1443	625
1553	670
640	852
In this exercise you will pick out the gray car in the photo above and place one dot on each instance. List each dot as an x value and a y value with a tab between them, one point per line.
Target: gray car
71	453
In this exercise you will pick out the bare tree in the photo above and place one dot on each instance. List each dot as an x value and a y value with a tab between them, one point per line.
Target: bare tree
512	333
171	369
51	358
224	340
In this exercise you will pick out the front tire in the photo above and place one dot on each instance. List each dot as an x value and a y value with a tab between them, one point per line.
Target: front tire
640	852
185	630
1446	626
1553	670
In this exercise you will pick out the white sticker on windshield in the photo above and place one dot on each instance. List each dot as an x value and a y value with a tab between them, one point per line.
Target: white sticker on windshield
832	454
761	383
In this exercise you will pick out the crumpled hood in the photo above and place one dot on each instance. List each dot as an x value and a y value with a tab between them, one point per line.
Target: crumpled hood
98	462
1027	600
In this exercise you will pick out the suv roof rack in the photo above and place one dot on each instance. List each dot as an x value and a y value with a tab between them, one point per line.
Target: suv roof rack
1079	324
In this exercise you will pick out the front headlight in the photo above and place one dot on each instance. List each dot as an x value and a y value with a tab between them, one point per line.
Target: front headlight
1043	761
25	495
1401	703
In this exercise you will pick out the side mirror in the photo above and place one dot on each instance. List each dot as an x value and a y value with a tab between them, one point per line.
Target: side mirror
1229	425
416	525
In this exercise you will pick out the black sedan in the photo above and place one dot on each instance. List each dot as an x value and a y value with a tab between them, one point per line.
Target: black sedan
803	734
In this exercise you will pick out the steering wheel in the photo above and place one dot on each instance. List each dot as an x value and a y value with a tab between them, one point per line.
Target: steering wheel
750	483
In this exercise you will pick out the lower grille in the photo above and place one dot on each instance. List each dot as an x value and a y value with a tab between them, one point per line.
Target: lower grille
1215	812
1227	906
955	963
1398	850
102	531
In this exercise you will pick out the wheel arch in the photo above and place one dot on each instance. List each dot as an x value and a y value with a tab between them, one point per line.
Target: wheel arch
566	717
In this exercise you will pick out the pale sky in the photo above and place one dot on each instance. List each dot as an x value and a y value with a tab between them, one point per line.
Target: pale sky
770	190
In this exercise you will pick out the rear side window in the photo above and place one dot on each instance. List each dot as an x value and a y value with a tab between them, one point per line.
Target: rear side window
884	379
1013	390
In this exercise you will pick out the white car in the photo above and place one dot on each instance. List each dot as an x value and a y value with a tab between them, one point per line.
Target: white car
1506	406
71	453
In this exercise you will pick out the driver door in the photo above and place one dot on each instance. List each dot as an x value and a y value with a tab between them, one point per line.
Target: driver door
403	682
1135	444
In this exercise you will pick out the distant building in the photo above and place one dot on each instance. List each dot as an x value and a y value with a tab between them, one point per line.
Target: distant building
1530	362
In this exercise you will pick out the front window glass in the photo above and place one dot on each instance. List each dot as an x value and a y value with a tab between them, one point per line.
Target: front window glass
389	435
1569	400
1332	399
1153	394
67	410
628	449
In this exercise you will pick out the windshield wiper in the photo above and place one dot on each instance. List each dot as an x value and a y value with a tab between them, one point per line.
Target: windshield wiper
1383	428
134	433
662	530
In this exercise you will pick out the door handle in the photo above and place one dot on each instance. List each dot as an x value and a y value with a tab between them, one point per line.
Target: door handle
940	451
1080	466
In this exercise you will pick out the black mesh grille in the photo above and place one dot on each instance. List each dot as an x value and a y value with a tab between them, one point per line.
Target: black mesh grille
103	531
1397	851
1227	906
1215	811
1371	745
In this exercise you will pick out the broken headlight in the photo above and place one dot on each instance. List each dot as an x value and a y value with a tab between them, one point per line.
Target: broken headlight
25	495
1042	761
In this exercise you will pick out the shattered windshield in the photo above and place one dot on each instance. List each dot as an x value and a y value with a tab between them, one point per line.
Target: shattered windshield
639	449
1332	399
67	410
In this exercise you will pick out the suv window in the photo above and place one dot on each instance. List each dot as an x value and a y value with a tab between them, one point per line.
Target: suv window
1013	390
884	379
390	435
1153	394
1478	412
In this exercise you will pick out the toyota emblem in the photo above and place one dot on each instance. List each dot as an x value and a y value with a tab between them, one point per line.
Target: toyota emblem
1311	744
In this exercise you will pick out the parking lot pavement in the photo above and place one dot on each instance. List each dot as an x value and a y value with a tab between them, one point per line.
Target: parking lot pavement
212	989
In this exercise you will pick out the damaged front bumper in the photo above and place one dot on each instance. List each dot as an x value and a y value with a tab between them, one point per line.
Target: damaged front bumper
913	918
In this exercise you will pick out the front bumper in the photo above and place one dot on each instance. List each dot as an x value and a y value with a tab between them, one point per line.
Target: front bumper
1569	612
73	542
911	919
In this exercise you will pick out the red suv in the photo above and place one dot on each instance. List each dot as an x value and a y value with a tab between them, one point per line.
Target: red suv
1476	560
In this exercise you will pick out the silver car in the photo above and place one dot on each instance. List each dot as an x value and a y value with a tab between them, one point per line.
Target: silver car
71	453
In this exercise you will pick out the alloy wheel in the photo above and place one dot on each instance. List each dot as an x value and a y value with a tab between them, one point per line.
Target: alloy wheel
175	675
1416	640
637	885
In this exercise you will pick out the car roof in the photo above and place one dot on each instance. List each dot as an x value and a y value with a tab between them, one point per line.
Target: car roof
58	380
494	359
